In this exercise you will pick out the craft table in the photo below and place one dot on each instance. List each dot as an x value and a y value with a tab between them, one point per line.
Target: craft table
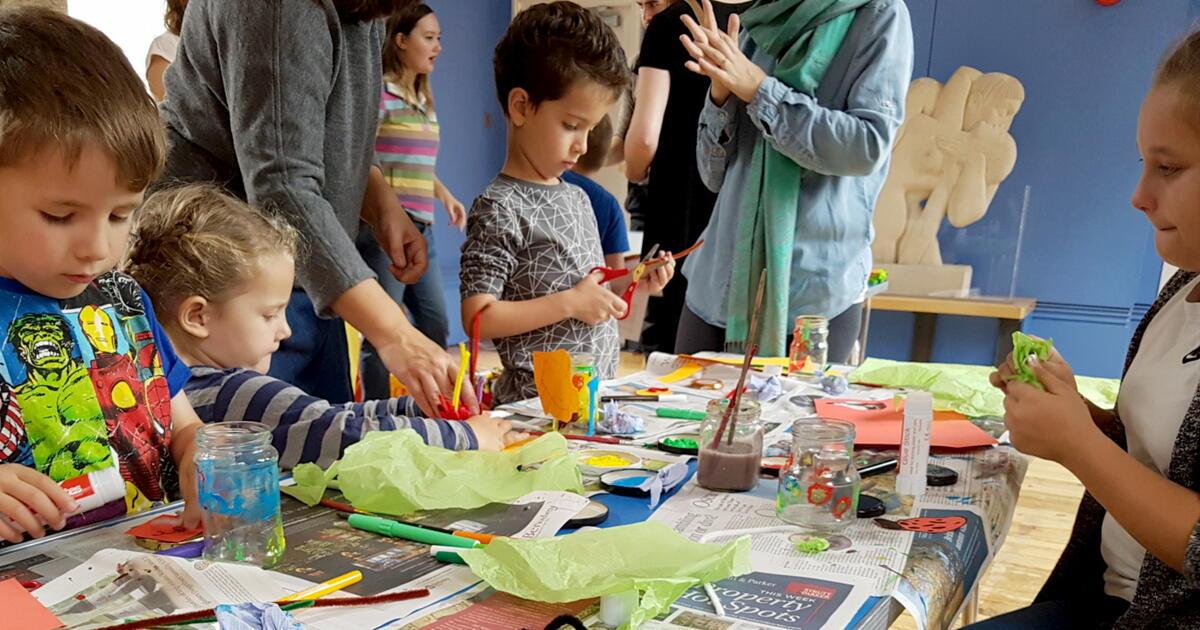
1011	313
878	614
941	575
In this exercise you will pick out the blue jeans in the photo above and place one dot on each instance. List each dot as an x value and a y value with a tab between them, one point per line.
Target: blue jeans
1101	612
315	358
423	300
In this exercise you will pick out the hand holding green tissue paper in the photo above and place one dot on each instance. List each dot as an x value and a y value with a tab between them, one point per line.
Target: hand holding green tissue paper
648	557
396	473
1024	347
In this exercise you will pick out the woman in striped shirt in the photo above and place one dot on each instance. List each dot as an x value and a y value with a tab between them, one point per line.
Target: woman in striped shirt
407	147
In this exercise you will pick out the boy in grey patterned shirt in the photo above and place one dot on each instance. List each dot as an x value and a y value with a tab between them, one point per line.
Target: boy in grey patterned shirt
532	238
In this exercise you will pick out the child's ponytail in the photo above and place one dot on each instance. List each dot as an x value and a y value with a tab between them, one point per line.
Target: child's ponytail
197	240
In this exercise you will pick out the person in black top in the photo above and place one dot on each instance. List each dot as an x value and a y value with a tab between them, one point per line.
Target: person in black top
661	142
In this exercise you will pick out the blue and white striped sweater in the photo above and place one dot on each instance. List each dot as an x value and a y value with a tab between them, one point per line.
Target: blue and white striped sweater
306	428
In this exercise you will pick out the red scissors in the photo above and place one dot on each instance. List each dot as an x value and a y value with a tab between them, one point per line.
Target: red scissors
647	264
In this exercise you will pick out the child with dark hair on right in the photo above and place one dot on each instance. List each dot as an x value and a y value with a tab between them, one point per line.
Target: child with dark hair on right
532	239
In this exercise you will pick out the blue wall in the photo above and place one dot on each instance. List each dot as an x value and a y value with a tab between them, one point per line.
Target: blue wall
1086	255
473	136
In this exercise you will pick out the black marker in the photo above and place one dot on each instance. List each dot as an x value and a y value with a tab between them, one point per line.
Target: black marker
878	468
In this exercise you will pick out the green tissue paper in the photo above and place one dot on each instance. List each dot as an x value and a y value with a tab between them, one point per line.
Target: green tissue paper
396	473
1024	347
964	388
648	557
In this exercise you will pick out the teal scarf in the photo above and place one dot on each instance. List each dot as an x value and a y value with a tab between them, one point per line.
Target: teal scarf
804	36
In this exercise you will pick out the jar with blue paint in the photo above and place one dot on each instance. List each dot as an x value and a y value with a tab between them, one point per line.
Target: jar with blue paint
237	471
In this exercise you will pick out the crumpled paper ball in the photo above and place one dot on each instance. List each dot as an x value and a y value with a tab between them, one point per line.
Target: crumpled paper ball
616	422
834	384
766	389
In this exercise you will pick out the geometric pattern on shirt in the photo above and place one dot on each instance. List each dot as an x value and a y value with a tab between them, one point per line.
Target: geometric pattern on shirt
526	241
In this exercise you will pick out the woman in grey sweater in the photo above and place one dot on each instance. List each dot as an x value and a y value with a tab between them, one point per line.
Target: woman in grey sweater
277	101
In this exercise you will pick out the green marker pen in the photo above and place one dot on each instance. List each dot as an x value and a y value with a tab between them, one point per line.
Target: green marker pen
388	527
679	414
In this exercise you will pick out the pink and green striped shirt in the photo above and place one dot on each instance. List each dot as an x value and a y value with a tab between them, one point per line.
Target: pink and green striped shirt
407	146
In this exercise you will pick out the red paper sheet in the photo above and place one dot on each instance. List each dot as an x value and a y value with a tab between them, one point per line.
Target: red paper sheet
880	423
23	610
163	529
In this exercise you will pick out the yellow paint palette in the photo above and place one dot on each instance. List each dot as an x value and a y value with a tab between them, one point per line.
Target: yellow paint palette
595	461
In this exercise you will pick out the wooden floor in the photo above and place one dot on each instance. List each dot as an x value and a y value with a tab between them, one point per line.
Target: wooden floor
1040	528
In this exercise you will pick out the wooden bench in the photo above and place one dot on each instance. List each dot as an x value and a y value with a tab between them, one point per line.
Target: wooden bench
1011	312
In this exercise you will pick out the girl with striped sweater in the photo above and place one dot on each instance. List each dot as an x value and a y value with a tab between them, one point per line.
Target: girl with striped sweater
220	274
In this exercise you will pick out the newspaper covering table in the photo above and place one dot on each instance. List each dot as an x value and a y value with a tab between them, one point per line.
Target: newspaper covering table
852	584
320	545
931	575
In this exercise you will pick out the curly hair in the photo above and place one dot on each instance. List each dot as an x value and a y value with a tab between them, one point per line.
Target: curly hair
549	47
197	240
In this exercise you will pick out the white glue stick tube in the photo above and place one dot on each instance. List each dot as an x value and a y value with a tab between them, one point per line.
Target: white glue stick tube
95	489
89	491
617	609
914	444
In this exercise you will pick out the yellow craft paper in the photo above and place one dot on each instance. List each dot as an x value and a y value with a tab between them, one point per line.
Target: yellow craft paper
687	370
756	363
552	375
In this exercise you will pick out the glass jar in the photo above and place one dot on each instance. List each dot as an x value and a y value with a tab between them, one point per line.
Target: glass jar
810	345
819	486
584	366
237	471
730	459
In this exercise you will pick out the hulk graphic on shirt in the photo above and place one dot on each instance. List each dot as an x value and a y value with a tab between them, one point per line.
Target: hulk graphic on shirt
58	403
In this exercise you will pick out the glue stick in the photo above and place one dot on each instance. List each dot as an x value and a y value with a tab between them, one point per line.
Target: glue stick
89	491
914	444
96	488
617	609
